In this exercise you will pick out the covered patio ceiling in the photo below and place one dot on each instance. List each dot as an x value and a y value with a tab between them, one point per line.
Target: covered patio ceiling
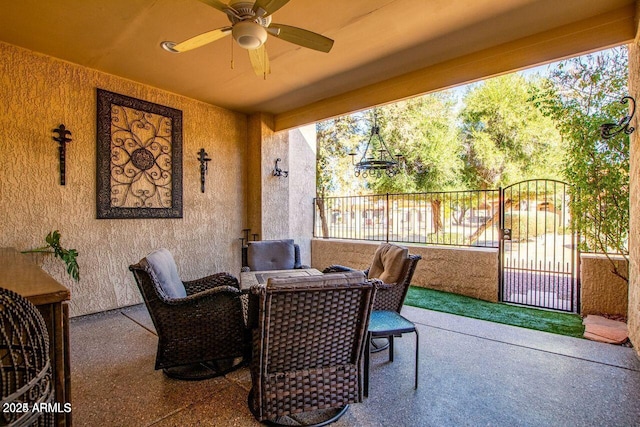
384	50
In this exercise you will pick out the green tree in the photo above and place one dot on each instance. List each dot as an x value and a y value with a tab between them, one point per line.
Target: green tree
506	138
424	131
335	139
582	94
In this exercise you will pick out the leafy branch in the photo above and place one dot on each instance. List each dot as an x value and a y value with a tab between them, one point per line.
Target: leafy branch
67	255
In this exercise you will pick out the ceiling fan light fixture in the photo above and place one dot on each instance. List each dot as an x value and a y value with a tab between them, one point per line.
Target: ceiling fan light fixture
249	35
169	46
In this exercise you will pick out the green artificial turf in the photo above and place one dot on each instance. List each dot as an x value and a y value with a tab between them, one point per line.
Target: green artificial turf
541	320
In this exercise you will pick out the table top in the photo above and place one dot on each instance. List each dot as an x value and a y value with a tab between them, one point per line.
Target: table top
250	278
21	275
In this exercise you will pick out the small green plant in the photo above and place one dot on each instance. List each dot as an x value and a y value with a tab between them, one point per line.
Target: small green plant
67	255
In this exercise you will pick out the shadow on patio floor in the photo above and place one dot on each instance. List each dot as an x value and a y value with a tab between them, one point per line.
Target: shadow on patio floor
472	372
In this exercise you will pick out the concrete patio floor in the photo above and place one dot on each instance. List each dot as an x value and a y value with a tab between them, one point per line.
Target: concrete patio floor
472	373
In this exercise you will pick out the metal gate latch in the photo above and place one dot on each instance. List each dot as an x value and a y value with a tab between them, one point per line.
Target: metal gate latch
506	234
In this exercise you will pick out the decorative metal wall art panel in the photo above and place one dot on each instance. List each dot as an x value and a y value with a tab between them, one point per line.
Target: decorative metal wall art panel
139	170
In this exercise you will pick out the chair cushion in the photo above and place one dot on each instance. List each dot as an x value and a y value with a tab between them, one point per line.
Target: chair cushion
164	269
271	255
388	263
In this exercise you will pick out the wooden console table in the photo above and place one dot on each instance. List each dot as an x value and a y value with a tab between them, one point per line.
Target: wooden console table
19	274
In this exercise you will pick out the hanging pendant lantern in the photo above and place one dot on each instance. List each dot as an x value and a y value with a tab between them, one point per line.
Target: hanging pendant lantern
377	159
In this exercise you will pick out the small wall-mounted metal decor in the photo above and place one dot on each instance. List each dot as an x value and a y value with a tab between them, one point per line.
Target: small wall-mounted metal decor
62	149
139	170
203	158
279	172
609	130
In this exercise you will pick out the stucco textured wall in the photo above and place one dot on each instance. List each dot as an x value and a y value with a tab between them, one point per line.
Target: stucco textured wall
467	271
601	291
302	187
37	93
275	190
280	207
634	199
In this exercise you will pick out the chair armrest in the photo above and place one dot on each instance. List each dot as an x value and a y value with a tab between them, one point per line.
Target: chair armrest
210	282
338	269
222	306
380	285
253	305
211	293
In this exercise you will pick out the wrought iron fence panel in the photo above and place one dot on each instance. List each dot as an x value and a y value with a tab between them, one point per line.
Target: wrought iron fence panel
460	218
529	222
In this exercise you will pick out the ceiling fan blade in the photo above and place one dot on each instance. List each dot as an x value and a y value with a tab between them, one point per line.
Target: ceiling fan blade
202	39
303	38
260	61
268	6
222	7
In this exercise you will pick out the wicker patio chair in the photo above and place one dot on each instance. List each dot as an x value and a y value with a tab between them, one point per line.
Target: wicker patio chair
308	343
395	267
267	255
200	324
26	377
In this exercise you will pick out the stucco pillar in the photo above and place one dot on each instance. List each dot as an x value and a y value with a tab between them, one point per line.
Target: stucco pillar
280	207
252	174
634	201
267	210
302	187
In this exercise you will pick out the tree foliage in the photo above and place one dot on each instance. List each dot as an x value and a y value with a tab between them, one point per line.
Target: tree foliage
499	137
506	138
424	131
581	95
336	138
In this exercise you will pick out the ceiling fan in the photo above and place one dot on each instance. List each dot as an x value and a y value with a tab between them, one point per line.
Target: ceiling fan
250	26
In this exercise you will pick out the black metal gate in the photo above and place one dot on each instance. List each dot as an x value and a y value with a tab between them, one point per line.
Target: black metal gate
538	251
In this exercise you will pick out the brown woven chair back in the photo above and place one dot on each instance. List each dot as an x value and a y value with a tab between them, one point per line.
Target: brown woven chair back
392	298
308	343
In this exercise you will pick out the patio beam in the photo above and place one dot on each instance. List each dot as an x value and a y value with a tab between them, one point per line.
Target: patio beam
599	32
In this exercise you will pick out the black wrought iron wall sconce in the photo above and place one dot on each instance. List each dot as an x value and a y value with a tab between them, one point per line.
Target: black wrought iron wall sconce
609	130
204	159
62	140
279	172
